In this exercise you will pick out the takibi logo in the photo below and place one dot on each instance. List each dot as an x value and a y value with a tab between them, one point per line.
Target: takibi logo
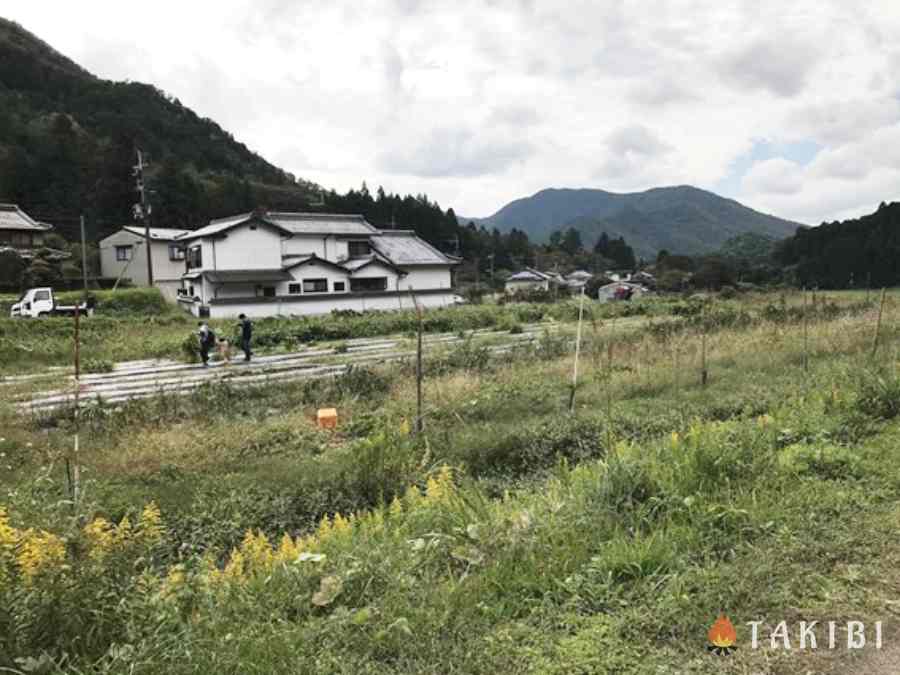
722	636
809	635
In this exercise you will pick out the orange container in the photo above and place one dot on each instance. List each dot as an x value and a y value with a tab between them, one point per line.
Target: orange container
326	418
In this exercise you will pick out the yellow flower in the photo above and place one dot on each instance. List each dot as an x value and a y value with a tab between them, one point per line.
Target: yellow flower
173	581
674	440
289	549
340	525
324	529
38	551
101	538
234	569
8	534
396	508
412	497
257	552
404	427
123	532
150	525
439	487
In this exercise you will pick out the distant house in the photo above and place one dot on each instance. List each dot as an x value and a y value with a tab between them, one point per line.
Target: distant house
18	230
578	280
532	279
620	289
268	263
618	275
124	254
644	279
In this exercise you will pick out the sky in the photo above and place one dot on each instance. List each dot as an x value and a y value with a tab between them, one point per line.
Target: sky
792	108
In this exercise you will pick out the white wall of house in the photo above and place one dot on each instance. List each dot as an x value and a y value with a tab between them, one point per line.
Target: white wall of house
243	248
377	270
166	272
286	306
421	278
314	270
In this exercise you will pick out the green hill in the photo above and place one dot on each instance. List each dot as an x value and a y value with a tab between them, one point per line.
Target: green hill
67	142
682	219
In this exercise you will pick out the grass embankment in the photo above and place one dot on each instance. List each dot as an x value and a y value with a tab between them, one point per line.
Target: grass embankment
759	495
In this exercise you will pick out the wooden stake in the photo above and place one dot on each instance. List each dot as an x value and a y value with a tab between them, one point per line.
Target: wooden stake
806	333
419	426
878	323
704	375
577	351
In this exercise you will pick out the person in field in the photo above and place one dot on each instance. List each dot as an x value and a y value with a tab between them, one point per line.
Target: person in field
224	349
246	329
207	340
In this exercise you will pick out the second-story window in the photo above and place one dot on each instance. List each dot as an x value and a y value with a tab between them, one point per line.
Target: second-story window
195	257
358	249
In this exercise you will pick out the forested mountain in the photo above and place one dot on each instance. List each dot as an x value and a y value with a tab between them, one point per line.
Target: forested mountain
67	141
680	219
853	253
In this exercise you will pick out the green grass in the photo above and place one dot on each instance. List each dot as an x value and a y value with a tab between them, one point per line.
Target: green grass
604	541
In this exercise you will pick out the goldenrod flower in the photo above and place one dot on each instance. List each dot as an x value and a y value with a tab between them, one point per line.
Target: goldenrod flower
100	534
234	569
150	525
396	508
340	525
37	551
324	529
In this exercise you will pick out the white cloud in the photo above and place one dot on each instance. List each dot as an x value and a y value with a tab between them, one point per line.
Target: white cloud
477	103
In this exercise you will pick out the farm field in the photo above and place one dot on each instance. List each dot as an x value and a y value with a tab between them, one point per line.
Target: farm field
219	530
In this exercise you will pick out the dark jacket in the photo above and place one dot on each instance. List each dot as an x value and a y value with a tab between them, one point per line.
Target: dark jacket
246	329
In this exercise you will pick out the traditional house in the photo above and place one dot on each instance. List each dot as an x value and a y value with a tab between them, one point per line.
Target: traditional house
578	280
18	230
268	263
532	279
123	255
620	290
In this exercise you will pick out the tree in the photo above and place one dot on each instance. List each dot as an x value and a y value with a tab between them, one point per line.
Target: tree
12	268
571	241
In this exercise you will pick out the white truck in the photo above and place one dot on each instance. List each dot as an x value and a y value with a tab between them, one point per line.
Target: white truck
40	302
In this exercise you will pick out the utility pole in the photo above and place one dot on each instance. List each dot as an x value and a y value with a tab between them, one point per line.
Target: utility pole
83	256
142	210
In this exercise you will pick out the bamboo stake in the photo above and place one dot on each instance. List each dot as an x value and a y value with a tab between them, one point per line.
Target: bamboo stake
806	333
73	473
419	426
577	352
704	375
878	323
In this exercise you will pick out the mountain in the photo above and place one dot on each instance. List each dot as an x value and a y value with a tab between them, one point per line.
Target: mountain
67	141
862	252
681	219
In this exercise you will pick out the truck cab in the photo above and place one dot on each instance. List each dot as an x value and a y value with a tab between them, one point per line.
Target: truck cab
40	302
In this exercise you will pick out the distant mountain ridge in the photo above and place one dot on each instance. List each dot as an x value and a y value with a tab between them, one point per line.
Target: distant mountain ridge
67	141
681	219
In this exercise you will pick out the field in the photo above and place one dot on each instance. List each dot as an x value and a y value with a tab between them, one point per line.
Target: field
221	531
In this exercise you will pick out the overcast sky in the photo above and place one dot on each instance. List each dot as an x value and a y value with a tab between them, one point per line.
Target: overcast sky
790	107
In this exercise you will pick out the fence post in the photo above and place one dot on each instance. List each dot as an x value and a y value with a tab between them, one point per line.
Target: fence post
878	323
577	351
419	425
704	375
806	332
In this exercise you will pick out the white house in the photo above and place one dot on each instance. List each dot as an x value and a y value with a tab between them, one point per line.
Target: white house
123	254
268	263
531	279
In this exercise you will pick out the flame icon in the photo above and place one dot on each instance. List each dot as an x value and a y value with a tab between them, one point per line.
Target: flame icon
722	635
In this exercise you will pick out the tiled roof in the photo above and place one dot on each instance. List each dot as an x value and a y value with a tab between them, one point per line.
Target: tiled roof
321	223
246	276
14	218
404	248
528	275
161	233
